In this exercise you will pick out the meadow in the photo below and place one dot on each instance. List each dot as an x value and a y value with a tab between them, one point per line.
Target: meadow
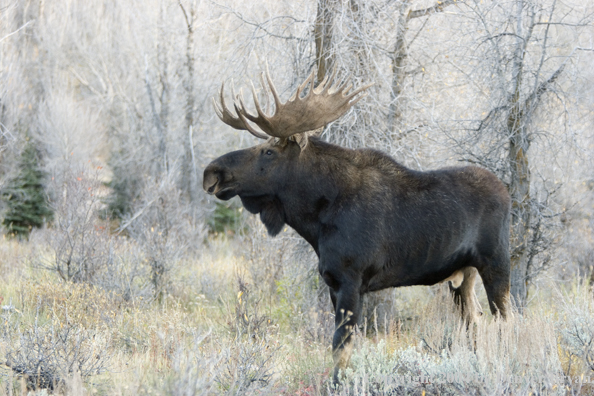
232	322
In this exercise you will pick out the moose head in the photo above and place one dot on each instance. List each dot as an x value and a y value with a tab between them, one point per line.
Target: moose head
257	174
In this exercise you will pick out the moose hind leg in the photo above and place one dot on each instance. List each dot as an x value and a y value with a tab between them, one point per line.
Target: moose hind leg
497	282
462	288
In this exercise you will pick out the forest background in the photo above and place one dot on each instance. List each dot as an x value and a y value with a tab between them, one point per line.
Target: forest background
120	276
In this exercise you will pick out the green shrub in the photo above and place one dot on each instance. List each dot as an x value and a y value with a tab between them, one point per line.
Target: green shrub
226	218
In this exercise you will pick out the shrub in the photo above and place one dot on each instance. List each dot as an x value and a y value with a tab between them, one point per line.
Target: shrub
165	230
79	241
518	356
125	187
248	363
226	218
576	330
193	373
46	355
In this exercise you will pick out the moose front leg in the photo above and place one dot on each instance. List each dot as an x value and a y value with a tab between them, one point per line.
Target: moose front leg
348	310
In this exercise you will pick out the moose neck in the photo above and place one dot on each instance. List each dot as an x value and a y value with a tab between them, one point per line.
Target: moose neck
311	189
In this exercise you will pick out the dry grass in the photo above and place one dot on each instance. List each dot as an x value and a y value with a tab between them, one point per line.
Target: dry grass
218	332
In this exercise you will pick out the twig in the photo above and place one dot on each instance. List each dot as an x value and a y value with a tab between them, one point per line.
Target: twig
16	31
136	215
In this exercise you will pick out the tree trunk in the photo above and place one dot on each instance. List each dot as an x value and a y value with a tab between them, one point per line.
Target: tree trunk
519	187
323	36
398	72
357	13
188	179
400	54
163	61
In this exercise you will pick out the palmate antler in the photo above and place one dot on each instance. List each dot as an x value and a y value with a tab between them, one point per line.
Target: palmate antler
320	106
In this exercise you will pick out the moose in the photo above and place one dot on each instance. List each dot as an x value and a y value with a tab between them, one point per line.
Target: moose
372	222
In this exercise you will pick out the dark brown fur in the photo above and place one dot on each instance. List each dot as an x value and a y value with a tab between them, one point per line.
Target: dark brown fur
374	223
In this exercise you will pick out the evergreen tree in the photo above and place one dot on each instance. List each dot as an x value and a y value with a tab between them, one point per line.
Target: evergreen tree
26	202
125	186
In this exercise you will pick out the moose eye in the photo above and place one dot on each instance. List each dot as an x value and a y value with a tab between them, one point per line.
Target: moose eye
268	152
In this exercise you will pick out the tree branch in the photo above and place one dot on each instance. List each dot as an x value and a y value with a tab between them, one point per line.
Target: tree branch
430	10
185	15
136	215
544	86
493	112
504	34
262	25
16	31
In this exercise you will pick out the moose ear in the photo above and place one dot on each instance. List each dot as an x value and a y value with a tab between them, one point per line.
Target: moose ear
281	142
316	133
302	138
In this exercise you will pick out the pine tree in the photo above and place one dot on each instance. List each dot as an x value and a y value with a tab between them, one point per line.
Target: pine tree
125	187
26	202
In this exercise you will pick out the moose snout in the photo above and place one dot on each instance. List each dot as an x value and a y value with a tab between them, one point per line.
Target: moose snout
210	180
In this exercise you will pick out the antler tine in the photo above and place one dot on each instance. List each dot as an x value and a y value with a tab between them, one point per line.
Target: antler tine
340	84
277	101
321	86
217	109
348	88
330	83
357	91
222	108
308	81
243	114
263	82
261	114
224	113
344	86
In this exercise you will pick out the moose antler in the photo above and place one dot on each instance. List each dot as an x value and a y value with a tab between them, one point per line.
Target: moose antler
319	107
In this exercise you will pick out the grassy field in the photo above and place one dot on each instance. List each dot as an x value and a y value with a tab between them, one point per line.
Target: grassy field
233	322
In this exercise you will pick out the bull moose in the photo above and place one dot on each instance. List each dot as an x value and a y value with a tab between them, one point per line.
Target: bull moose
372	222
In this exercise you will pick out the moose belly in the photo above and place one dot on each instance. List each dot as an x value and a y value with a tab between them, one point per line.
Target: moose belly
427	273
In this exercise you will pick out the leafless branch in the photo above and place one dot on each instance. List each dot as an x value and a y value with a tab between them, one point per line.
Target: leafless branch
439	7
134	217
16	31
263	25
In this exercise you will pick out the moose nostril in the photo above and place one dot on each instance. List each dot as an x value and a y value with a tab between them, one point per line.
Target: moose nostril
211	180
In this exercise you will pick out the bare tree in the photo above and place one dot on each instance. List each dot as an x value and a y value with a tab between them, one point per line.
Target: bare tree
323	36
519	58
189	177
400	55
